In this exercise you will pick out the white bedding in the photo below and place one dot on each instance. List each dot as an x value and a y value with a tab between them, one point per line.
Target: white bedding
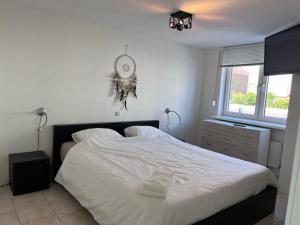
104	174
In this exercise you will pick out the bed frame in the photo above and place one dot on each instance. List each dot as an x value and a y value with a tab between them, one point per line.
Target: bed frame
247	212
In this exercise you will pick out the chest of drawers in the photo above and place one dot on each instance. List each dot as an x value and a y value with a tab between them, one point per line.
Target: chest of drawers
240	141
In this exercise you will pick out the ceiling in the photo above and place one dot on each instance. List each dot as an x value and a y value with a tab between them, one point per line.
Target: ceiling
216	23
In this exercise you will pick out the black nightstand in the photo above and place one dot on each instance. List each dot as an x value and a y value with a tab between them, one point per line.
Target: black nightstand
29	172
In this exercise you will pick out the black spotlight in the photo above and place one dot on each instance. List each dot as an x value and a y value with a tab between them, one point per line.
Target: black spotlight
172	23
180	20
180	27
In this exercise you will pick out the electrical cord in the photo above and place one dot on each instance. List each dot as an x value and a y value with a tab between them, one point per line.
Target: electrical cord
168	124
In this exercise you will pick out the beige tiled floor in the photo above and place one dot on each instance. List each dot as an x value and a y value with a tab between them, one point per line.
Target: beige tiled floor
54	206
57	207
279	215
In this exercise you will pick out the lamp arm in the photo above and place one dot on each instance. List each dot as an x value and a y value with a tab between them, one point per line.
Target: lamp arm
41	127
177	115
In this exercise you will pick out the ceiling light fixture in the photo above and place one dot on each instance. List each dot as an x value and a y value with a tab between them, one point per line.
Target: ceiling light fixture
180	20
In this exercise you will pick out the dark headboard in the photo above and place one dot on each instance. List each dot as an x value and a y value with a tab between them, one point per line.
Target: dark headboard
62	133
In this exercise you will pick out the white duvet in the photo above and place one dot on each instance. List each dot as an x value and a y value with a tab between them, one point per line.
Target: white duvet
104	174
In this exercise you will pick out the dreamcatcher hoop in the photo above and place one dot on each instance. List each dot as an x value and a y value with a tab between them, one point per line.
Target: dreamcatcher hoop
125	67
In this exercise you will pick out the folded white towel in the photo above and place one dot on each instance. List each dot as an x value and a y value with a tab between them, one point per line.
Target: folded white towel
143	191
157	185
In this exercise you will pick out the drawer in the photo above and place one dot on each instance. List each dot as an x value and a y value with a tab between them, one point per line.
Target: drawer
240	140
238	151
227	151
210	126
209	133
210	143
248	157
239	131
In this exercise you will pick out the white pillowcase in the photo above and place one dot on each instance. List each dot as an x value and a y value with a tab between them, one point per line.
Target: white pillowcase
144	131
95	132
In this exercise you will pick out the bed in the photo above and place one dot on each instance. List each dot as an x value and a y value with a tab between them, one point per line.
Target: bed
246	212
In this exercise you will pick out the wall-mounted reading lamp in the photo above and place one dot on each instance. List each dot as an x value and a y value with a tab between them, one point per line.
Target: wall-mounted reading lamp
42	113
167	110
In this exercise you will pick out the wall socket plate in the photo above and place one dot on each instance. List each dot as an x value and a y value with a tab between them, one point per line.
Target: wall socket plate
214	103
3	185
117	113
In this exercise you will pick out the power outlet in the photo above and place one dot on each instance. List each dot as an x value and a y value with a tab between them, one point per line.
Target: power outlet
214	103
3	185
117	113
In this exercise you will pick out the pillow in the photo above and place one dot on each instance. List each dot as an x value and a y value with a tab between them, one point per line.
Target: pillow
96	132
144	131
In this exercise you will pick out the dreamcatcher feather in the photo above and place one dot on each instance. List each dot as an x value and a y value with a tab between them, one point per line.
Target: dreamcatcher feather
125	86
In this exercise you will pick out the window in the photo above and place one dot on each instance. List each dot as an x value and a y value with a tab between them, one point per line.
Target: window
249	94
242	90
245	92
277	99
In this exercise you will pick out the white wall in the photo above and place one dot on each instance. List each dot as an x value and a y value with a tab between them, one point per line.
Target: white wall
291	136
64	65
293	216
209	82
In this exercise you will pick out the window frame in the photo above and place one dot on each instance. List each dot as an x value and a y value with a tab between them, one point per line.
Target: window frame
261	98
263	101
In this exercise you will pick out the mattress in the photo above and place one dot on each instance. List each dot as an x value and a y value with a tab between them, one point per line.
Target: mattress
65	148
104	174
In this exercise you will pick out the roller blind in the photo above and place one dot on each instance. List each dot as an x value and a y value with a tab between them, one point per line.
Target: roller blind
243	55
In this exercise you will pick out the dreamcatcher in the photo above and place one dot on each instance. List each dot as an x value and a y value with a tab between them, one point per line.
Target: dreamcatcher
124	77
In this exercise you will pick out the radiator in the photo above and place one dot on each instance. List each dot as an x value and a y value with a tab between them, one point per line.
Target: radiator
275	154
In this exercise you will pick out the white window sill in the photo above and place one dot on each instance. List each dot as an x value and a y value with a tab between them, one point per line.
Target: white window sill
251	122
